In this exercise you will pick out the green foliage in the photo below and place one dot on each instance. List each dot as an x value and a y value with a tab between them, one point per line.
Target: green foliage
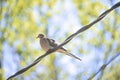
114	75
20	25
88	10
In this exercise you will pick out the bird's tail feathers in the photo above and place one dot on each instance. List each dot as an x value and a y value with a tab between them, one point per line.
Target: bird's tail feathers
72	55
63	50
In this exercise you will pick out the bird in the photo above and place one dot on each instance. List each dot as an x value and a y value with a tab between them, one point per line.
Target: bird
47	43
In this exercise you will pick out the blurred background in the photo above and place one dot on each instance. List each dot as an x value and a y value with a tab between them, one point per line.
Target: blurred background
22	20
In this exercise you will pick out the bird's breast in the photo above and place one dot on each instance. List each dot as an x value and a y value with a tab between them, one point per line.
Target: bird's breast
45	44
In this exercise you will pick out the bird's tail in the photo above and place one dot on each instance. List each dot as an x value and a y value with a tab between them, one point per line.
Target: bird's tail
63	50
72	55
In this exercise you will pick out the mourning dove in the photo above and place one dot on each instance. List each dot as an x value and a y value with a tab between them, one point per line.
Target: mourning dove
47	44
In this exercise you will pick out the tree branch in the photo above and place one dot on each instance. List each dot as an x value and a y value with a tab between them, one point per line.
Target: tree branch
66	41
104	66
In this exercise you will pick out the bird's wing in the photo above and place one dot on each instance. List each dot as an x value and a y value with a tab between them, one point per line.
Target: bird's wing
51	42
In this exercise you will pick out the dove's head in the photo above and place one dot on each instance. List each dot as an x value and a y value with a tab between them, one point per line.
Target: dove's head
40	36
